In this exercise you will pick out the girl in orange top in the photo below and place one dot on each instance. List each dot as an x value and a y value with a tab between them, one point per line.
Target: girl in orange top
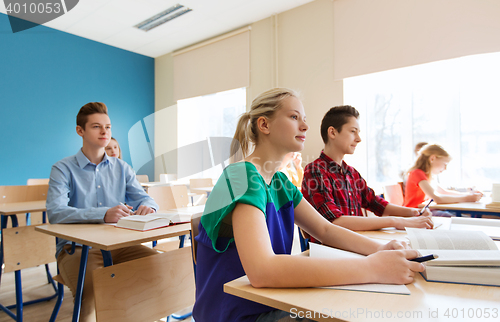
432	160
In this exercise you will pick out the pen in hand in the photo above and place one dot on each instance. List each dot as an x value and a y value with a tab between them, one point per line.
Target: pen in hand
424	258
426	206
129	210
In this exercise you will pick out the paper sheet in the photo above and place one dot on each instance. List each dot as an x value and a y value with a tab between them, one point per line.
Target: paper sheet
320	251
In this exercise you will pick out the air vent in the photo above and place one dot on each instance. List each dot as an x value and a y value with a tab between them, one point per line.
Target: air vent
164	16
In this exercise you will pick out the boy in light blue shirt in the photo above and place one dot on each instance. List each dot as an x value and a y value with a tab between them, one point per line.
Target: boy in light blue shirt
91	187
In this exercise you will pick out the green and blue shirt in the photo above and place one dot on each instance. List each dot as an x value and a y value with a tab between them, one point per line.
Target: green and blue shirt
217	258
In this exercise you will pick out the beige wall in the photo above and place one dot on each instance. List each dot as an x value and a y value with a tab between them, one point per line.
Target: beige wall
377	35
165	116
310	47
305	51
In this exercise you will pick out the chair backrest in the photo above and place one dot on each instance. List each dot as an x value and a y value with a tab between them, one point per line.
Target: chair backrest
304	238
142	177
195	222
125	292
394	194
169	197
24	247
32	182
10	194
166	178
200	183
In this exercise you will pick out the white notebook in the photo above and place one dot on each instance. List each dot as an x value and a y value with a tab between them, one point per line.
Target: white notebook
320	251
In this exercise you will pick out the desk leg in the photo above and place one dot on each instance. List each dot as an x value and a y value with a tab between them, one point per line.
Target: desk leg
81	280
3	224
106	257
19	296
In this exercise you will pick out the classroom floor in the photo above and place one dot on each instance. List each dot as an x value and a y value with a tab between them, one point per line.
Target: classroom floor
35	286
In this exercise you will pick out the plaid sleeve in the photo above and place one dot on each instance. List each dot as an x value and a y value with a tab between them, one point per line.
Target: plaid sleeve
369	200
318	191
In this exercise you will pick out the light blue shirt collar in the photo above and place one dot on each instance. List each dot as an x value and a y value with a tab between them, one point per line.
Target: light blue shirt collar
83	161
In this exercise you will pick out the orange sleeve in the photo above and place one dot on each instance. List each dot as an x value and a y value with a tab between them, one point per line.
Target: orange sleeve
413	193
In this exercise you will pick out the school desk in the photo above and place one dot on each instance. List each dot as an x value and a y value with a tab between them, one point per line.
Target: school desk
201	190
475	209
105	237
428	301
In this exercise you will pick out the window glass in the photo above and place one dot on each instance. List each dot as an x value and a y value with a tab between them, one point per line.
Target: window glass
453	103
199	119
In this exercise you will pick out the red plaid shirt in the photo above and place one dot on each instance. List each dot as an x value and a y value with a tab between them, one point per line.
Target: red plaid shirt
336	190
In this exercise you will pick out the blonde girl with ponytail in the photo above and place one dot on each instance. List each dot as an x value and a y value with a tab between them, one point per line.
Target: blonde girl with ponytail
432	160
248	223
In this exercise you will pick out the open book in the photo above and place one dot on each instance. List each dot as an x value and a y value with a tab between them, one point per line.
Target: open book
320	251
490	227
152	221
468	257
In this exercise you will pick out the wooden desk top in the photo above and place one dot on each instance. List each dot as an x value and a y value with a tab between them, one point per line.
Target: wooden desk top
339	305
428	300
400	235
109	237
467	206
22	207
202	189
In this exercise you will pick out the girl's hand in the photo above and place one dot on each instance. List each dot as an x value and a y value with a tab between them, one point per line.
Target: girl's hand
475	196
393	266
414	222
394	245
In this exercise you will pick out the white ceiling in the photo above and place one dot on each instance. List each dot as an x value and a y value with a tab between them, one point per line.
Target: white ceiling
112	21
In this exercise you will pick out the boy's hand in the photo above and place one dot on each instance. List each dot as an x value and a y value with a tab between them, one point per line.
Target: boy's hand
393	266
115	213
144	210
414	222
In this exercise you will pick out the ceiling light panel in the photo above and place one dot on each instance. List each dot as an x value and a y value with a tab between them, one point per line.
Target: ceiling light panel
163	17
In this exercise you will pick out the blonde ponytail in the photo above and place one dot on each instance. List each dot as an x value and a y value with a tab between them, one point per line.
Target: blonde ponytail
264	105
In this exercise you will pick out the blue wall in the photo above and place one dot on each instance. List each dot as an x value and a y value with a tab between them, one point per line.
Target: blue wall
45	77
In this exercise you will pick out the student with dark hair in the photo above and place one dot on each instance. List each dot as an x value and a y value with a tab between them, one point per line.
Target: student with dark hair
91	187
339	192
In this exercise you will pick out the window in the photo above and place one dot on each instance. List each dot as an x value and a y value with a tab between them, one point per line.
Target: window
453	103
199	119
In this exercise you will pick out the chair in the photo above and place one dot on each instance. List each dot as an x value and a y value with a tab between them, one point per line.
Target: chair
142	177
166	178
10	194
169	197
195	222
35	218
23	247
32	182
167	288
200	183
304	238
394	194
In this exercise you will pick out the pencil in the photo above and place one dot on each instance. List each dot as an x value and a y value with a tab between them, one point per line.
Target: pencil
130	210
426	206
424	258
